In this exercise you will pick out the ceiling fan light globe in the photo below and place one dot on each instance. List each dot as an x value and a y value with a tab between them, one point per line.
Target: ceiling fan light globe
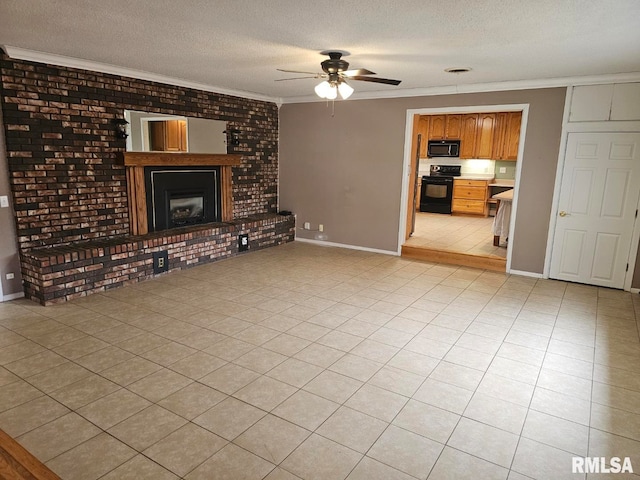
332	92
323	89
345	90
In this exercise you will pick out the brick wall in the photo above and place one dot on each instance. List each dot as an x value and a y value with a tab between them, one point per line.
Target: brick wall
69	187
67	182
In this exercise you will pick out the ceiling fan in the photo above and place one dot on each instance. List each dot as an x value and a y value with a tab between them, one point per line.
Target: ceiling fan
336	73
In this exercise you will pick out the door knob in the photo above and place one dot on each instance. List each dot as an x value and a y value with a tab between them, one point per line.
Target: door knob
563	213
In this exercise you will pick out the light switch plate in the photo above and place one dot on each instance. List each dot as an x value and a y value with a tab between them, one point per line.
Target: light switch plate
4	201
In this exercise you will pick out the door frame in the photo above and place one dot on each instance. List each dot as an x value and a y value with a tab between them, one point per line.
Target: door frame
588	127
408	142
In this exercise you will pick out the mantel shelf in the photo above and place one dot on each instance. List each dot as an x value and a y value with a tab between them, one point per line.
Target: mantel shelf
164	159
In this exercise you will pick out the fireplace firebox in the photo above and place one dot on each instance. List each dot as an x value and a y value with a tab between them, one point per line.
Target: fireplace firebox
182	196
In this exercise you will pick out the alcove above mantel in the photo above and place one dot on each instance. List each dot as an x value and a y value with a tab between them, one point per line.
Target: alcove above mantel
135	163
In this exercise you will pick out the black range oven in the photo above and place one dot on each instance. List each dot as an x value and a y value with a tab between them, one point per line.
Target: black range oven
437	188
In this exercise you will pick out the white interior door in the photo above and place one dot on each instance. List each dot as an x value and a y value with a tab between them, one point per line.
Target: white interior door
597	209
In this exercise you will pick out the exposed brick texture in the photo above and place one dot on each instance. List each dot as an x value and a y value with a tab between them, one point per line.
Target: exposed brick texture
65	167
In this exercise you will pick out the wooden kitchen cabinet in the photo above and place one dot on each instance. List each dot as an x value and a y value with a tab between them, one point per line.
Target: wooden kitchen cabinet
468	135
423	129
470	197
437	127
485	129
168	136
507	136
453	127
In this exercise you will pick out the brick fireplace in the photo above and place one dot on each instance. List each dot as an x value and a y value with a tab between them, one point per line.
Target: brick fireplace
79	223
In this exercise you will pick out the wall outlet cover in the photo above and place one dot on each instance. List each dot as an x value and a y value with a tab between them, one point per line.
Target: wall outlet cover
4	201
160	262
243	242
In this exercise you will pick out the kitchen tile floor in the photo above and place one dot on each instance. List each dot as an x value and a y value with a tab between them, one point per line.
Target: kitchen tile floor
313	362
455	233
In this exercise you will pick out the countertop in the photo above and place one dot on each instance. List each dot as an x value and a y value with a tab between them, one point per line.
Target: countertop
502	182
504	196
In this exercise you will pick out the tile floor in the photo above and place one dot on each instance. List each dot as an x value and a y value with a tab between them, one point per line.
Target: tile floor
456	233
321	363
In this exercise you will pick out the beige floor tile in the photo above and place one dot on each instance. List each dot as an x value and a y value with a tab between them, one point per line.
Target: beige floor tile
265	393
145	428
556	432
377	402
521	372
506	389
413	362
559	405
429	347
168	353
352	429
185	449
458	375
256	334
370	469
113	408
306	409
391	337
397	381
84	391
333	386
272	438
456	465
443	395
286	344
58	436
339	340
427	420
197	365
232	463
159	385
16	351
321	459
143	343
229	418
260	360
192	400
484	441
308	331
319	355
496	412
35	364
356	367
30	415
229	378
91	459
375	351
570	366
295	372
130	371
542	461
406	451
140	468
281	474
104	358
613	420
616	397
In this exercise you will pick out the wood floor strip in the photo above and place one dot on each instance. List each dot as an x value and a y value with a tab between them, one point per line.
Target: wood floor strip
495	264
16	463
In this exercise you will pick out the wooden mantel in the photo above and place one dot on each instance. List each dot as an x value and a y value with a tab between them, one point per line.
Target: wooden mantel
136	161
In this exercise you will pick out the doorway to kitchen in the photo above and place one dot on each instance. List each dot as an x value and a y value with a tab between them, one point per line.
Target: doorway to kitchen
484	173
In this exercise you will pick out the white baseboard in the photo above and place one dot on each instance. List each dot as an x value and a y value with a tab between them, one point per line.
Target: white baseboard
635	290
343	245
12	296
525	274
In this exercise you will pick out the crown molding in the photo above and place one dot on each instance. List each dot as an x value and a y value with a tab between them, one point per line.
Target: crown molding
482	87
49	58
64	61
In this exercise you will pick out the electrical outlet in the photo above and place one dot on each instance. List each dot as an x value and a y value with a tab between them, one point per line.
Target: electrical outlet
160	262
503	169
307	226
4	201
243	242
10	276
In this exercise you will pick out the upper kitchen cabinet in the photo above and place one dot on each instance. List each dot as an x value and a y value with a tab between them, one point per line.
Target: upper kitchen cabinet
506	136
453	127
168	136
485	128
423	129
437	127
603	103
468	135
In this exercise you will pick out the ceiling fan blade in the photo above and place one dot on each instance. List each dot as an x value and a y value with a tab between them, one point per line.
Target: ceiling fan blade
386	81
359	71
293	78
296	71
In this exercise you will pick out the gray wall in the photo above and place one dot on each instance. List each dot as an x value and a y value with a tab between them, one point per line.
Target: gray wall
345	171
9	259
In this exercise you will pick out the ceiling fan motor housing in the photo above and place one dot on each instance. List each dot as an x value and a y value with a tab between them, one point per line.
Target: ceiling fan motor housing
334	64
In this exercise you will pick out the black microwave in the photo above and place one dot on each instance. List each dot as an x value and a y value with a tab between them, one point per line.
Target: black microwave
443	148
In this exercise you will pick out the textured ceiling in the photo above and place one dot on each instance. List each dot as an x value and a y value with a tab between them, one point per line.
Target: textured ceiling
237	45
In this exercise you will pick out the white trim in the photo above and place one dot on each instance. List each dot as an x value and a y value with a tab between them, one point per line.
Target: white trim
558	183
71	62
50	58
343	245
633	251
12	296
635	290
522	273
481	87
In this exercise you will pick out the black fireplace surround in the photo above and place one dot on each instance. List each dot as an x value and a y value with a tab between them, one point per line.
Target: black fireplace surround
182	196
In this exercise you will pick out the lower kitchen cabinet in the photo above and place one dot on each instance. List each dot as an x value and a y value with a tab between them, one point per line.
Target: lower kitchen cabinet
470	197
